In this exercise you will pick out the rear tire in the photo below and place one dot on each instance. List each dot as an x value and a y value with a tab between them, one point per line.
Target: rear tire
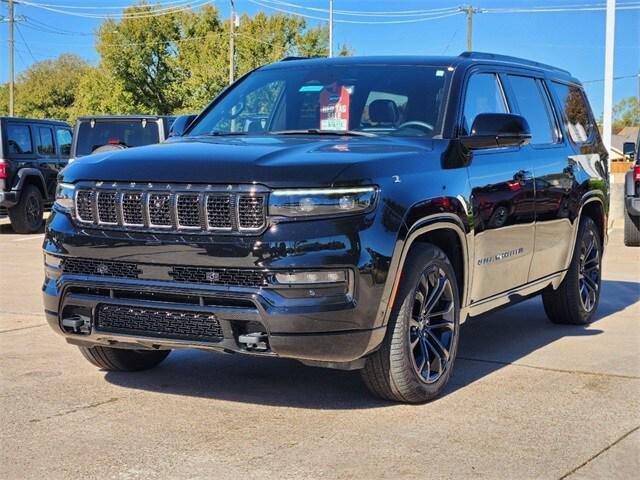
631	229
123	360
576	299
416	358
26	216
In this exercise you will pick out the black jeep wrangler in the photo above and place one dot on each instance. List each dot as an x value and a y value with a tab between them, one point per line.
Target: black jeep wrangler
347	213
32	153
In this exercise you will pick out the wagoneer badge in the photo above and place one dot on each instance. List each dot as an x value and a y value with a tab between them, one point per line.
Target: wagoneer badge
213	276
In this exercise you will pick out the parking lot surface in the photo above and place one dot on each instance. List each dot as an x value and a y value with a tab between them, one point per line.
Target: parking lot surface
528	399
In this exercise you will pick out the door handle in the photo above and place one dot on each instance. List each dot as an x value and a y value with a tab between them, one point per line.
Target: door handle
523	176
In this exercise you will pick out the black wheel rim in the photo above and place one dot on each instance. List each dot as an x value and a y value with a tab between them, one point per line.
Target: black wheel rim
589	274
432	325
33	211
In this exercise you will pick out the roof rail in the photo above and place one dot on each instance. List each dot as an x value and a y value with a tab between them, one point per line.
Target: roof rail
508	58
293	57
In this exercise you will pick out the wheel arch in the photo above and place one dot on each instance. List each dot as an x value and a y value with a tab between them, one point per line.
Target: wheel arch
30	176
445	231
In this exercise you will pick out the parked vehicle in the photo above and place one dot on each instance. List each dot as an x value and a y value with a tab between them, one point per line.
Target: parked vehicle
632	196
32	152
117	132
348	213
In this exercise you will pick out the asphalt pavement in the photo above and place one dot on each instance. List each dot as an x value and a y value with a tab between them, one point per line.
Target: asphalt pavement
528	399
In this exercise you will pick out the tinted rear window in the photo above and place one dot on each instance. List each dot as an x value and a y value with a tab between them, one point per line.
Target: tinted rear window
132	133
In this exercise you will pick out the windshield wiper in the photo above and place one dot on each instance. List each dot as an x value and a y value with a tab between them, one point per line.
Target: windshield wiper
220	133
317	131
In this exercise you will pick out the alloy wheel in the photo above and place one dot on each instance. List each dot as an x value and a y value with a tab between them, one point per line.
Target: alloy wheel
33	211
589	272
432	325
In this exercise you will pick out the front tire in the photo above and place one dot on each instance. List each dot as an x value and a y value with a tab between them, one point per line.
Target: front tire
416	358
123	360
631	229
26	216
576	299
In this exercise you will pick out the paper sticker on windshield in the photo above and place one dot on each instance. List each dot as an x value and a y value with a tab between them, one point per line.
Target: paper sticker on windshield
334	107
439	73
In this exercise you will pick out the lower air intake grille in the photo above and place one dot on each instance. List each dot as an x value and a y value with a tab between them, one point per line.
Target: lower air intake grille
151	322
220	276
86	266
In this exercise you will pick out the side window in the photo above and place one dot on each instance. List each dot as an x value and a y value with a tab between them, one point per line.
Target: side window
63	137
576	112
533	104
45	141
19	140
484	95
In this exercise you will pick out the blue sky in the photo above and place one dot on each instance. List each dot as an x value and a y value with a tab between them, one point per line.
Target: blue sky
572	40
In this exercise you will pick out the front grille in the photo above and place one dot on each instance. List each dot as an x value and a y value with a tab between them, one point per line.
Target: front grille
86	266
159	209
220	276
198	209
152	322
132	209
188	210
107	208
219	216
250	212
84	205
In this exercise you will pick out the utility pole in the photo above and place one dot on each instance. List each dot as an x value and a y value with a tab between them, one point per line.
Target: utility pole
232	44
11	66
470	10
330	28
607	119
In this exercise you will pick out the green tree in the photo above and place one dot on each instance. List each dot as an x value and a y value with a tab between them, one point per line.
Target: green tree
46	89
140	52
626	113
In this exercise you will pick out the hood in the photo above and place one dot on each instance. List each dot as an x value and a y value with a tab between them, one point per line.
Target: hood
274	161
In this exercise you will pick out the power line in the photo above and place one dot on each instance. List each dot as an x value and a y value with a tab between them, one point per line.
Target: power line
139	11
25	43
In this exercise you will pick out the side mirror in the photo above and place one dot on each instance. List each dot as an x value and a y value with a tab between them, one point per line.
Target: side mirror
180	125
629	149
491	130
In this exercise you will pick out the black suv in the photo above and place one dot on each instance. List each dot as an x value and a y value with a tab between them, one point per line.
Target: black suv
632	196
105	133
32	153
346	212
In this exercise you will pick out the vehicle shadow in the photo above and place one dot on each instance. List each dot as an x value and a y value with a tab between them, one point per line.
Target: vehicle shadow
496	340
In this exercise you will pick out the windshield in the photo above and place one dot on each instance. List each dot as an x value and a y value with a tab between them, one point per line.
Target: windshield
130	133
404	100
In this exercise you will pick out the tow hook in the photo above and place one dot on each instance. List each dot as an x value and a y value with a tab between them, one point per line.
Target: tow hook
254	341
77	324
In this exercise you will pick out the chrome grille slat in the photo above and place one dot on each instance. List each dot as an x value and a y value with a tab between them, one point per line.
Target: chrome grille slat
132	211
219	212
176	208
188	210
107	207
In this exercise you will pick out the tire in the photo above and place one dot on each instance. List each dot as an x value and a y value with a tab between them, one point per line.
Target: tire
123	360
576	299
26	216
393	371
631	229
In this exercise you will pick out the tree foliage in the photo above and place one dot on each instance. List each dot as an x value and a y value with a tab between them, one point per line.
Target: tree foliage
161	64
47	89
626	113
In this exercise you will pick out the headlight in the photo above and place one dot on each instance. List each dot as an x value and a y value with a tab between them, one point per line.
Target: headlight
64	196
321	201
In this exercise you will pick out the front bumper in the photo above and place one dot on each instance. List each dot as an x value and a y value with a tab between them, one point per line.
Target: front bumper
319	328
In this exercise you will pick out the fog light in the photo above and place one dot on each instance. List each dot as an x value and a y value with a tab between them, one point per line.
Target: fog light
311	278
